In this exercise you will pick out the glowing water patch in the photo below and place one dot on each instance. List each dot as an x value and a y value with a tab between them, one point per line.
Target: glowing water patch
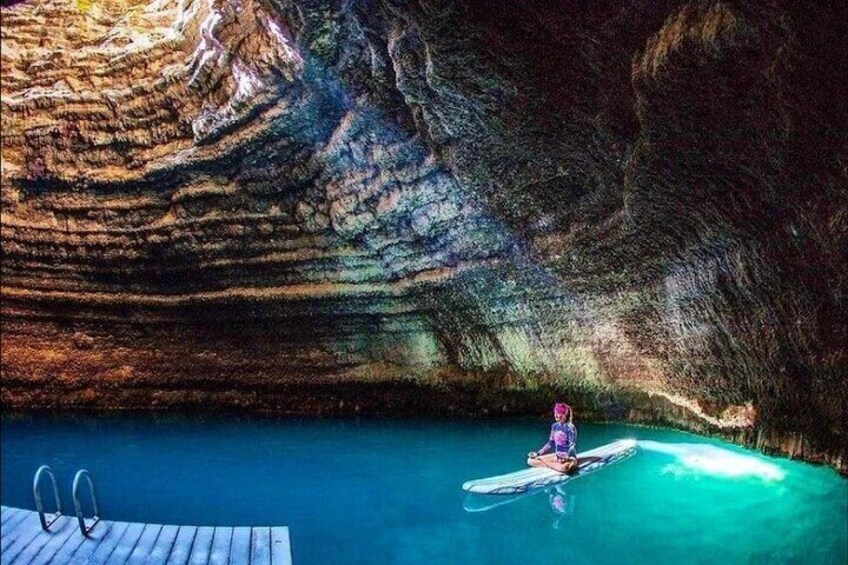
714	460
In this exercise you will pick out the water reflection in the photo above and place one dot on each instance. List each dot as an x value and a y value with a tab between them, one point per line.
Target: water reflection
697	458
561	502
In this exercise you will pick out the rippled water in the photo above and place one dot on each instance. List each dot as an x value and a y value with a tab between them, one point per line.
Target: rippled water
390	491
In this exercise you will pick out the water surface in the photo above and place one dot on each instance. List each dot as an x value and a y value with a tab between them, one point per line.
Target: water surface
389	491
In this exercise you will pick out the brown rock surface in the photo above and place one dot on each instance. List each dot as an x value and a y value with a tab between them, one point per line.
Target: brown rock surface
445	207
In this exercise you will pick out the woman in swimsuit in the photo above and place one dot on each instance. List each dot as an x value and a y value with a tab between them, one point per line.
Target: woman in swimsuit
562	441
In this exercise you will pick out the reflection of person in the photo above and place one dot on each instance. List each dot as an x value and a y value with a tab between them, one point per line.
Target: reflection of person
561	503
558	503
563	442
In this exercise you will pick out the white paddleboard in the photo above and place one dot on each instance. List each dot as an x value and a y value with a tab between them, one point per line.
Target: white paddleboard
540	477
475	502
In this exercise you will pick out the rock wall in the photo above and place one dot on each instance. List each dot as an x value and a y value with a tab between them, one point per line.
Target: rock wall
443	207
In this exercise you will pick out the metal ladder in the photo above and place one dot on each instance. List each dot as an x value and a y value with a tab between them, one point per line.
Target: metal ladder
85	529
36	493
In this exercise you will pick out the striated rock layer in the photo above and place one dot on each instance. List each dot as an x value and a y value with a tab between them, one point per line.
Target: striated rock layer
437	207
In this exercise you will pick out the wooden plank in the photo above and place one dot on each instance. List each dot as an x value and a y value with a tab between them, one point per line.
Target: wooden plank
221	541
120	543
59	532
66	550
17	525
181	550
240	548
162	548
104	533
145	544
98	549
280	546
202	546
54	540
17	519
125	545
260	546
20	537
7	512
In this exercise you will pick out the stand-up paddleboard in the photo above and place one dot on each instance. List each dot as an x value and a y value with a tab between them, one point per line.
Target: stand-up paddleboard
475	502
540	477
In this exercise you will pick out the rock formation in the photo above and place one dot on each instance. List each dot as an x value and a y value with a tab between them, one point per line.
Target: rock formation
441	207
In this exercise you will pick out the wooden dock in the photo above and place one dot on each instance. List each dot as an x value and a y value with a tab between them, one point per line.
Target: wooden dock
24	542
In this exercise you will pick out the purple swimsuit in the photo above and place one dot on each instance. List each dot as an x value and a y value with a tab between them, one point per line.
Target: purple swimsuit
563	440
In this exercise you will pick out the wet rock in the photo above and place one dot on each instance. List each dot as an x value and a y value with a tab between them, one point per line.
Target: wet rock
642	207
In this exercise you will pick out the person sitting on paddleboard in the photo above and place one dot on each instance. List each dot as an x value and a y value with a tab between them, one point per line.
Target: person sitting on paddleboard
563	442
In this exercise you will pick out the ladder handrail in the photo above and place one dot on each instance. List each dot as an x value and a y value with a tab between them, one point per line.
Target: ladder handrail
36	493
78	507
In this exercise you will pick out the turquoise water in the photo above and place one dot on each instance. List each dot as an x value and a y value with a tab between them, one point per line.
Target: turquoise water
389	491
